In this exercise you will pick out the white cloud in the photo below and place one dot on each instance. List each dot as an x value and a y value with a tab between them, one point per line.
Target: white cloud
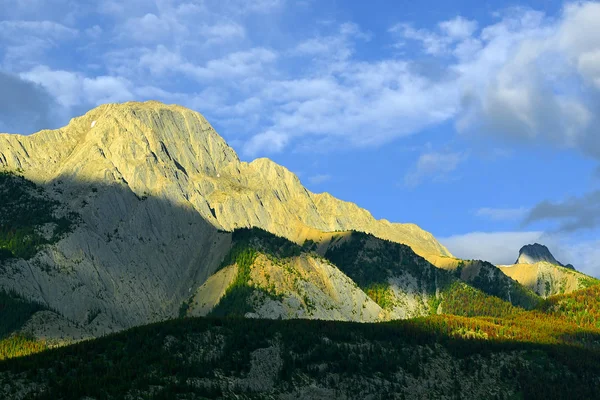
235	65
225	30
15	30
267	142
454	32
458	28
151	28
433	165
495	247
24	43
583	255
72	89
525	76
502	214
502	248
94	32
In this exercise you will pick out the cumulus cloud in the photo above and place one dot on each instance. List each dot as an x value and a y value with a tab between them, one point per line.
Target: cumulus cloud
433	165
458	28
525	76
72	89
584	255
269	142
436	43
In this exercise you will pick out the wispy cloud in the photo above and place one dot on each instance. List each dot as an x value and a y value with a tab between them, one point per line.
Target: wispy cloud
319	178
436	166
526	76
502	214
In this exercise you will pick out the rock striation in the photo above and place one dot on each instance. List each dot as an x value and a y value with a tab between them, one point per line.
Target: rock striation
157	190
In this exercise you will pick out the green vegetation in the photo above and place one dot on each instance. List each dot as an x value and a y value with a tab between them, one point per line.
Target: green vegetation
195	358
371	262
461	299
265	242
381	294
493	282
15	311
588	281
20	346
581	307
24	210
247	244
237	300
309	245
553	351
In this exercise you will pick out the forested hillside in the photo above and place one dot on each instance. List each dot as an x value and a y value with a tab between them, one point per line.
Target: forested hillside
442	357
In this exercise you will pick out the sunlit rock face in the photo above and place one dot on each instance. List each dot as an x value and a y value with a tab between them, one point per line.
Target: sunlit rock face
156	190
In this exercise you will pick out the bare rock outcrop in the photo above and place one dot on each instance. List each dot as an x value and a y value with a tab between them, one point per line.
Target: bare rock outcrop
157	190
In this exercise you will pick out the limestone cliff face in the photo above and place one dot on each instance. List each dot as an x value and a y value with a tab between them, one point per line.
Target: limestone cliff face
172	152
155	186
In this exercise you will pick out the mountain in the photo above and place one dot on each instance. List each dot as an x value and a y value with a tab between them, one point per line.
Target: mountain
129	210
533	253
137	218
537	269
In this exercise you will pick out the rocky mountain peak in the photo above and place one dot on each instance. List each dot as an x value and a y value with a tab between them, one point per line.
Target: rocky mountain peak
533	253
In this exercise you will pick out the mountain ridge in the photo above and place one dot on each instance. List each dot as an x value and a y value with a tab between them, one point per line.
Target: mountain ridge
215	169
156	192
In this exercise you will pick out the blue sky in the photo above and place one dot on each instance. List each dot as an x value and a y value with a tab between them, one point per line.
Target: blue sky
475	120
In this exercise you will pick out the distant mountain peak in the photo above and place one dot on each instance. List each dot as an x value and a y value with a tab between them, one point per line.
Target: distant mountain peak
533	253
